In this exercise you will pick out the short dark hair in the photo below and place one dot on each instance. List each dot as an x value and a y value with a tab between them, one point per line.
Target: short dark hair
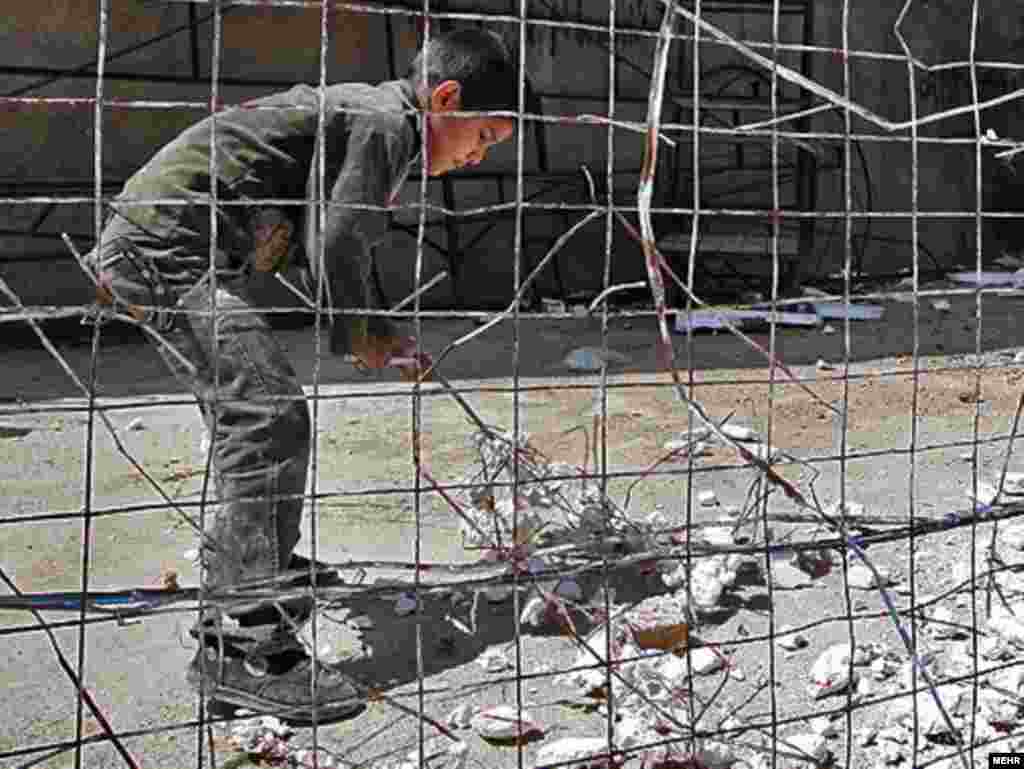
480	60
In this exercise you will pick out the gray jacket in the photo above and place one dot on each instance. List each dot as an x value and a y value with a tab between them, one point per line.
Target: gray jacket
267	158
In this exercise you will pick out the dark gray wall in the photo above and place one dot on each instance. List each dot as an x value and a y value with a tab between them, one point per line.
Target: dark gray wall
46	144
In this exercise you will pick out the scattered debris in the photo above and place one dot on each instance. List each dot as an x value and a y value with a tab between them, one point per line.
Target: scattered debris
941	305
503	722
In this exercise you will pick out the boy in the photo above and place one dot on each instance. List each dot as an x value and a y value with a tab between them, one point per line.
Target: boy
154	257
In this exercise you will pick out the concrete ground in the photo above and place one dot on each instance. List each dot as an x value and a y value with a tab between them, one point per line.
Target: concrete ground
136	672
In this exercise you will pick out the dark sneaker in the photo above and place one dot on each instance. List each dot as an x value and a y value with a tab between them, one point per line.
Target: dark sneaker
274	679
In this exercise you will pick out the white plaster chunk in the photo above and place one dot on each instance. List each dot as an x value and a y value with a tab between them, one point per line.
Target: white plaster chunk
861	577
572	752
830	673
706	661
707	498
739	432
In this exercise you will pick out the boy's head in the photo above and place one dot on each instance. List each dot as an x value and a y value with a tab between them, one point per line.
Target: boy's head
469	70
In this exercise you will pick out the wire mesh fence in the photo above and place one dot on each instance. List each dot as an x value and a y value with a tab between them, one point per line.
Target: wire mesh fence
634	525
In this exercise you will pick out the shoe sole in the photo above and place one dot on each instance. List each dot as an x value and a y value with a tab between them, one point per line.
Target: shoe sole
226	699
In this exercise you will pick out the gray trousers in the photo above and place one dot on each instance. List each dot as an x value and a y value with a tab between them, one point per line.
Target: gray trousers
252	404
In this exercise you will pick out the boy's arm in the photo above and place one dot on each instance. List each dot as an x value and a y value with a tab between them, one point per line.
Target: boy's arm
355	220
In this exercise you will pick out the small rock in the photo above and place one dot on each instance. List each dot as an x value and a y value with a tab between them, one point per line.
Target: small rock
828	329
892	753
739	433
830	673
659	622
823	365
943	624
994	649
136	424
786	576
461	717
405	605
573	751
706	661
191	554
800	749
504	722
824	726
1019	357
1014	484
361	622
867	736
882	669
791	640
707	498
494	660
498	593
894	734
942	305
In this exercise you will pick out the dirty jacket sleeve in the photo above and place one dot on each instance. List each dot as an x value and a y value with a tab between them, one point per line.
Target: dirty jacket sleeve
376	157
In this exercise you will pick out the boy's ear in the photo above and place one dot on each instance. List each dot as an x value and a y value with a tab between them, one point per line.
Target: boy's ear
446	97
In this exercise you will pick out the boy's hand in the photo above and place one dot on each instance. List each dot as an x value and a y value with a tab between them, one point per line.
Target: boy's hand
378	352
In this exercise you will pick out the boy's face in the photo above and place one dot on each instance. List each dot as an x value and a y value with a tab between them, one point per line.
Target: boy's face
457	142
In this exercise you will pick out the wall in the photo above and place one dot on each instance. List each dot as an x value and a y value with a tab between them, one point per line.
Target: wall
41	145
